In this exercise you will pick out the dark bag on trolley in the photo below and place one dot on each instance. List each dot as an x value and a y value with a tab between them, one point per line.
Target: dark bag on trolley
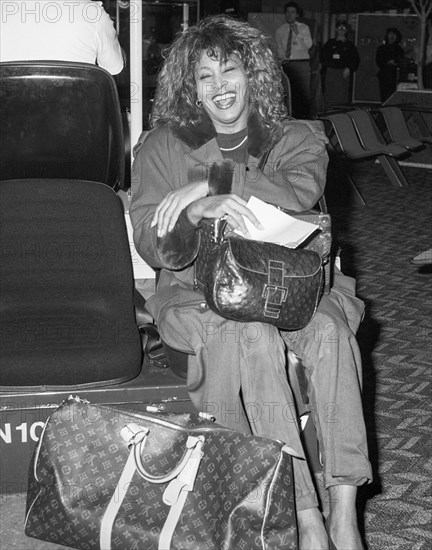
255	281
105	478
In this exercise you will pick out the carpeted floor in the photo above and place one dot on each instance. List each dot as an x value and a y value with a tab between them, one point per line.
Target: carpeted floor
377	242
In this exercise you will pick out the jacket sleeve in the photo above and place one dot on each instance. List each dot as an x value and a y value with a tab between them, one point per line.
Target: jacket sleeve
294	176
156	172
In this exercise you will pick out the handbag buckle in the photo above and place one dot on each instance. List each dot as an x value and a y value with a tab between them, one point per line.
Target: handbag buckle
274	294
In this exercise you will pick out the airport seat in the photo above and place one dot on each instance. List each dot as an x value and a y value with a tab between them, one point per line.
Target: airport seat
345	141
423	131
371	138
391	123
60	120
67	309
341	150
67	291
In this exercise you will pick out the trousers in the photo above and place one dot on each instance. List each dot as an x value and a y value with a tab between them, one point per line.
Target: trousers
299	76
238	374
337	89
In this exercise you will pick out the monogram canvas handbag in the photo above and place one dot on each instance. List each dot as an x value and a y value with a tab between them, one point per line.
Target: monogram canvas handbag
105	478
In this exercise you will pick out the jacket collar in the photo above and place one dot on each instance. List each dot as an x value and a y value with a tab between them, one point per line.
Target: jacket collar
260	138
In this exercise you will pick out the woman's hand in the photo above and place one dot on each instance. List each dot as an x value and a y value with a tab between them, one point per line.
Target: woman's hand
169	209
231	206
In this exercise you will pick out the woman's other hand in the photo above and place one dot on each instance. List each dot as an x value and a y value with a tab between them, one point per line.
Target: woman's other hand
169	209
231	206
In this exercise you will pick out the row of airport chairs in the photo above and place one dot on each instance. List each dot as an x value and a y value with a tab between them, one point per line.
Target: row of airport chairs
382	134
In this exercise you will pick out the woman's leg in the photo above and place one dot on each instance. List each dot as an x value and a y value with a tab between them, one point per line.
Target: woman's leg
330	354
238	374
342	521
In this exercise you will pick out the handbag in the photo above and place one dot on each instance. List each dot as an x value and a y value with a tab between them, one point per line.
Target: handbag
106	478
254	281
320	242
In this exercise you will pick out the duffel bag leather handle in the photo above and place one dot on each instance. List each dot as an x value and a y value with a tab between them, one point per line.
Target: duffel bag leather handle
136	435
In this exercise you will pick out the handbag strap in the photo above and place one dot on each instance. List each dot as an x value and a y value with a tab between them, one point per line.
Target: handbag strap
263	160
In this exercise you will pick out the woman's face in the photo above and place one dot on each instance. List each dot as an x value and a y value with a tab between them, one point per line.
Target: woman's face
223	90
391	37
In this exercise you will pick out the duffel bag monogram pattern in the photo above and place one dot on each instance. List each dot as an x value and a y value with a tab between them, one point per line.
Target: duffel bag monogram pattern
106	478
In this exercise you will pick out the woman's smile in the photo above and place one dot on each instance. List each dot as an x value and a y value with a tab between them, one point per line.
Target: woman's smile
222	87
225	101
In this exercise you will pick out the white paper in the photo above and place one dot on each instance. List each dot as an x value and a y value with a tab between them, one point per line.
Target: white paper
279	227
141	269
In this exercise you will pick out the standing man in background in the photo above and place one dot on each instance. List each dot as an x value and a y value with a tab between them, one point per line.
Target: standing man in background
68	30
294	41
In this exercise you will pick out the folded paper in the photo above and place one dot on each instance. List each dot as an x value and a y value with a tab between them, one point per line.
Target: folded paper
279	227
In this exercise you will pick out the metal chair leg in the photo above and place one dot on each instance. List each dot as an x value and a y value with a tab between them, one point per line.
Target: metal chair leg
357	195
393	171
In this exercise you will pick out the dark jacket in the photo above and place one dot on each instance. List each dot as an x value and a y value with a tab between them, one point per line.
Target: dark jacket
339	54
386	53
168	158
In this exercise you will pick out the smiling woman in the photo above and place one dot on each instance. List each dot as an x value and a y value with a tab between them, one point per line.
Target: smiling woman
247	50
222	88
220	135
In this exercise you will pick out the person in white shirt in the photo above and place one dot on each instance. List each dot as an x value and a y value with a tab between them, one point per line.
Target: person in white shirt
294	41
66	30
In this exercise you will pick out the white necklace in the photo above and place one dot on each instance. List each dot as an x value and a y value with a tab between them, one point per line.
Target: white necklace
233	148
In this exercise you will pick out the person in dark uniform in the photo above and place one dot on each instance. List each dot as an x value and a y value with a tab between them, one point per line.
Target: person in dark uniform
388	57
339	60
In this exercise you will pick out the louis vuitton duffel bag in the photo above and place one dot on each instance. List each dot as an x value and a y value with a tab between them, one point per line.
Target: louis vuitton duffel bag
105	478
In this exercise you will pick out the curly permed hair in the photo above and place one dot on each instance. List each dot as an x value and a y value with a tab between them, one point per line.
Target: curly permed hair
219	36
